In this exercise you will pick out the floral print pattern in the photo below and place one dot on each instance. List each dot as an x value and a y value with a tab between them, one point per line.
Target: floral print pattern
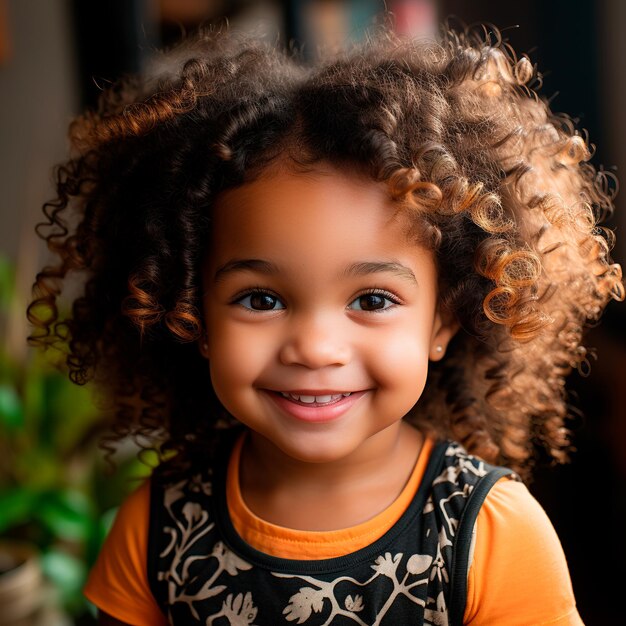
310	599
201	579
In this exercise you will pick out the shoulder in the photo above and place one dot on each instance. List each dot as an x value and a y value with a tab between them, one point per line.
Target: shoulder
458	486
118	582
512	519
458	465
511	501
129	533
136	504
464	478
518	573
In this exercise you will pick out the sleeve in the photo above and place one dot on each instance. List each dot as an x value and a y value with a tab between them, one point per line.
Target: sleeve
518	574
118	582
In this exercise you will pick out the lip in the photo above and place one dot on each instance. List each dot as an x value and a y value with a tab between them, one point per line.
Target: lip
315	413
315	392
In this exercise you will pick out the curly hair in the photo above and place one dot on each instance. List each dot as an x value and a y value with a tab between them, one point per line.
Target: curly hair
496	184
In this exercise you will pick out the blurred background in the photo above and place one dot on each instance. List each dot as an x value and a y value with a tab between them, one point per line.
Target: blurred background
56	499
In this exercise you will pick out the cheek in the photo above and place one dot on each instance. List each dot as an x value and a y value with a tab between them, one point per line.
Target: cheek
237	356
400	362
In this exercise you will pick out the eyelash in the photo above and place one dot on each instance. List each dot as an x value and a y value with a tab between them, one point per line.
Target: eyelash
375	291
253	290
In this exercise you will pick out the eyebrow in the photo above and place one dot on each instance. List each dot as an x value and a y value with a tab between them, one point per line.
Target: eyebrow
242	265
362	268
375	267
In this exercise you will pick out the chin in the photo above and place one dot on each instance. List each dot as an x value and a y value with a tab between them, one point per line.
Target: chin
317	452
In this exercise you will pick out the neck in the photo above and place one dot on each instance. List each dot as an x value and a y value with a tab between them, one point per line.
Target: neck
327	496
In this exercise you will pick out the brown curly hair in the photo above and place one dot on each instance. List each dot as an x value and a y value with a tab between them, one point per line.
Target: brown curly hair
497	185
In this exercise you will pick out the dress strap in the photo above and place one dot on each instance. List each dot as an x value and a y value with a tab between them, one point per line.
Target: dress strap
462	545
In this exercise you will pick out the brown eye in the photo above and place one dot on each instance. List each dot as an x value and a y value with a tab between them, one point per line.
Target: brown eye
373	302
261	301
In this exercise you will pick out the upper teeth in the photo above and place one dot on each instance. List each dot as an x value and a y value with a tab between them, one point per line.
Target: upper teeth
312	399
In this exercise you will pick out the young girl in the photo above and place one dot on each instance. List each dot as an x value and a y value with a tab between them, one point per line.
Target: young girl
339	299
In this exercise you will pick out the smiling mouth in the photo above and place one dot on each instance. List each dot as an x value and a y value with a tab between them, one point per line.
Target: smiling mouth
315	405
314	400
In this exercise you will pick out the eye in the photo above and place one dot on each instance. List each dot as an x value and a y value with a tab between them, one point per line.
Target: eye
373	301
260	301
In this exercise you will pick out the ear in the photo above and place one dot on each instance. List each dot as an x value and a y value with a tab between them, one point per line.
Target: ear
203	346
445	326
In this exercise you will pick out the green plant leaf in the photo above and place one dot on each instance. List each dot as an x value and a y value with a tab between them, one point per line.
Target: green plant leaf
67	514
11	411
100	530
17	506
68	575
106	521
37	466
33	397
71	413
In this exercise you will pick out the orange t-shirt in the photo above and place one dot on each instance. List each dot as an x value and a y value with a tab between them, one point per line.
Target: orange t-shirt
518	574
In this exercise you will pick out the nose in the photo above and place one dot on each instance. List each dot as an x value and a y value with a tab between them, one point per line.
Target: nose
316	341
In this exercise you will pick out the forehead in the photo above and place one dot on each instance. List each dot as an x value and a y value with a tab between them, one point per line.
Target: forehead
320	217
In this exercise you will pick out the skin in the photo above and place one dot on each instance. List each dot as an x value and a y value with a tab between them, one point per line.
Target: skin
322	331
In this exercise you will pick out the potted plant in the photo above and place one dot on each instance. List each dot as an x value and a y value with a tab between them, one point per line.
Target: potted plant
21	584
56	502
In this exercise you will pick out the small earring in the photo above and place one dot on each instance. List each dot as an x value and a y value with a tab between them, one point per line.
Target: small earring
205	346
439	349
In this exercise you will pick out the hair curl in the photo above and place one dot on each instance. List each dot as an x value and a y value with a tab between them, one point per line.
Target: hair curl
497	185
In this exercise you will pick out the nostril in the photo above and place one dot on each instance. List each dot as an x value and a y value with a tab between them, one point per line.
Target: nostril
314	353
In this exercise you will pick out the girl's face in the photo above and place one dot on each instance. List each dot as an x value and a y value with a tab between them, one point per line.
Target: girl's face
321	315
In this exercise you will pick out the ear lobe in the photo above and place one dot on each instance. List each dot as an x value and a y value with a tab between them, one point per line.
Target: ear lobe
445	327
203	346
